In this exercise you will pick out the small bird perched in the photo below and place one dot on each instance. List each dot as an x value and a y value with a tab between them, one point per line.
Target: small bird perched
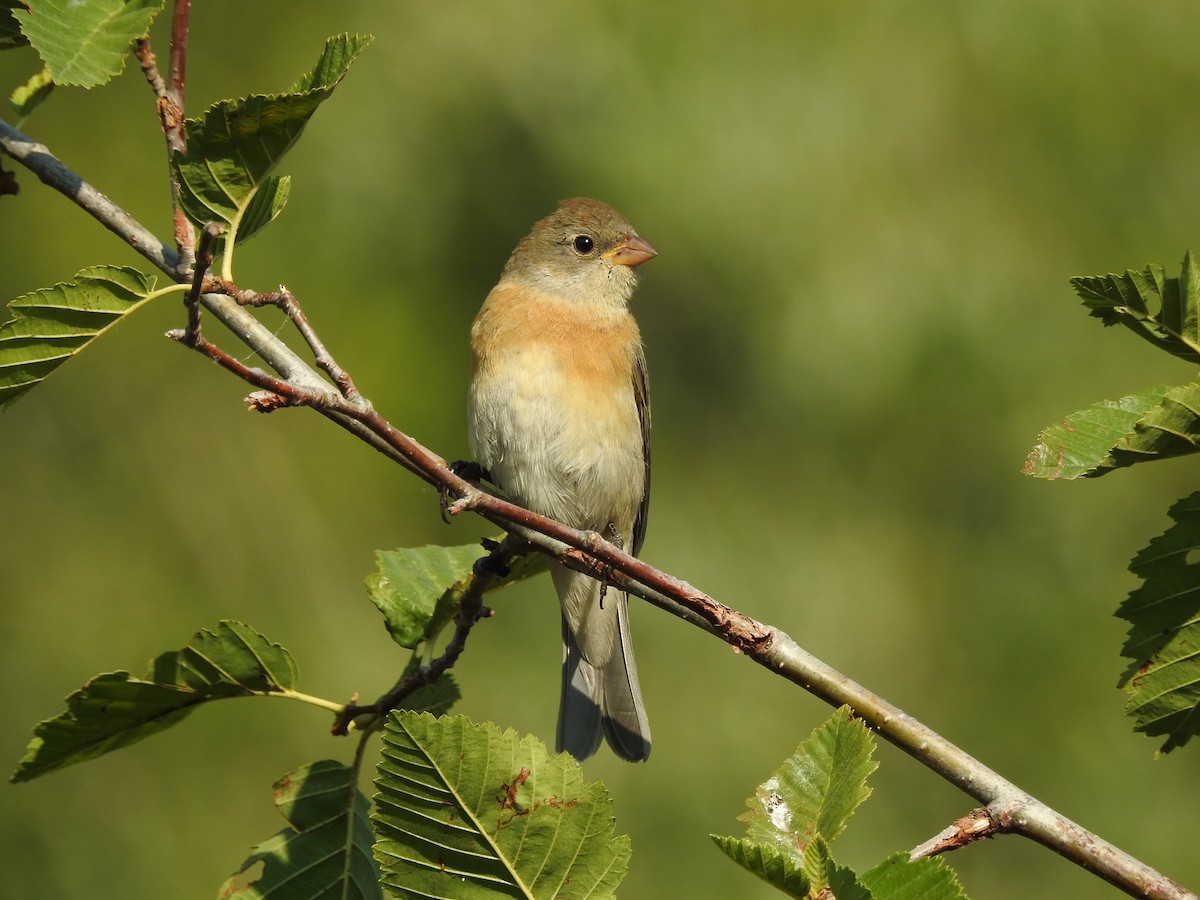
560	420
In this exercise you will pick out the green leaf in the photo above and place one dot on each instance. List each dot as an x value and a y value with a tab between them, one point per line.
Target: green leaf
233	149
265	205
52	325
901	878
116	709
1162	310
768	863
845	884
469	811
806	803
1158	423
418	588
85	42
30	95
1162	681
817	787
436	698
326	852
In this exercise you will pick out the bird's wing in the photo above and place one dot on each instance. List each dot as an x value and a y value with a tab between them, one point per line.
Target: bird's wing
641	397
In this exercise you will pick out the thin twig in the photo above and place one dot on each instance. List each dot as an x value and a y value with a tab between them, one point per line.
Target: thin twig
177	69
285	301
169	104
470	610
974	826
211	232
149	64
173	124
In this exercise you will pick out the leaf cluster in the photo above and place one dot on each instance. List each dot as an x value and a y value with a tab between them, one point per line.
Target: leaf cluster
797	813
1156	423
225	176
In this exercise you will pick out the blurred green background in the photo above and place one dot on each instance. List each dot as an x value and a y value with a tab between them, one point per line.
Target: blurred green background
866	216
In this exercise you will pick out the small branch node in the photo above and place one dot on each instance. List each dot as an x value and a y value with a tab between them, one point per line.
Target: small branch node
268	401
974	826
467	501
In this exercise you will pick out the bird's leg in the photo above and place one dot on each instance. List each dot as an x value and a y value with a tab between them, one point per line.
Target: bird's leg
466	470
613	536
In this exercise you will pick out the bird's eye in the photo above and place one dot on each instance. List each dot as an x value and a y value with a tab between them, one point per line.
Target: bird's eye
583	244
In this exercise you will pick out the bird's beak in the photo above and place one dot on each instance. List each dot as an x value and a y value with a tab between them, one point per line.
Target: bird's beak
632	251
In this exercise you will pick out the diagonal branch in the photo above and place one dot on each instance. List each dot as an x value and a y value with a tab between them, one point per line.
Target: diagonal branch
298	384
1013	810
53	173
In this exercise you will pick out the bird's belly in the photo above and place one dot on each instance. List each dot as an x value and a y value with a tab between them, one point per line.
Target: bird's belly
572	454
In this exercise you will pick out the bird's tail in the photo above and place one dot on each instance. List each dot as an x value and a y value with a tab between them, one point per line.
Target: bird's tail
601	695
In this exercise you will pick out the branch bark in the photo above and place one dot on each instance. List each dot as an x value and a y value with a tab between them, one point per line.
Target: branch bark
169	101
1010	809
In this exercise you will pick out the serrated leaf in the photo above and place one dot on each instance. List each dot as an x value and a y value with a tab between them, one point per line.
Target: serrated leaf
116	709
818	865
233	149
845	884
1158	423
410	584
1162	681
901	878
469	811
418	588
85	42
436	698
816	789
1164	311
26	98
54	324
807	801
326	851
266	204
768	863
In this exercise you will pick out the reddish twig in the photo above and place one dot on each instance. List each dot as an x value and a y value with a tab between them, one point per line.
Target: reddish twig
169	102
177	68
173	123
285	301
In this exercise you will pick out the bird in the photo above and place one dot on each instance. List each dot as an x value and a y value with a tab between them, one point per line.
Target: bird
559	420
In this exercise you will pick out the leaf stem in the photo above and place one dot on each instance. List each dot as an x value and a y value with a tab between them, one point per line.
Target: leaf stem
288	694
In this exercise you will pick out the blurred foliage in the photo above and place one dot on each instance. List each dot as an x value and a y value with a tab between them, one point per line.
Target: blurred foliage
866	217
